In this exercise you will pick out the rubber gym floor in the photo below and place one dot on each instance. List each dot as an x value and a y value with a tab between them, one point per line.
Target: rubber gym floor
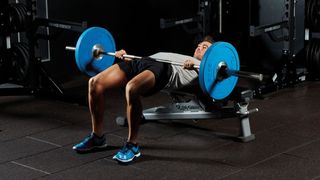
37	135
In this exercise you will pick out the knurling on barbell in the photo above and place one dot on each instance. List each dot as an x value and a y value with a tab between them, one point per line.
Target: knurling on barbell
218	72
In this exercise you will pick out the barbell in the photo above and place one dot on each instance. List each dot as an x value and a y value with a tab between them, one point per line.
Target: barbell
218	70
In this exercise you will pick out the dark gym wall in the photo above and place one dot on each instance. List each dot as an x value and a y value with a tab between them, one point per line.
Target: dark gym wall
135	25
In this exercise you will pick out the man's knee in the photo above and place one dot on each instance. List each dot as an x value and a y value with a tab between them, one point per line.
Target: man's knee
132	90
95	86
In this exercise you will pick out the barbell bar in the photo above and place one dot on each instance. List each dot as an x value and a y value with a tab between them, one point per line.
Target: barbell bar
98	51
218	70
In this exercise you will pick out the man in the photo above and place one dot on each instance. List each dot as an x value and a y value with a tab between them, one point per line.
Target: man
140	78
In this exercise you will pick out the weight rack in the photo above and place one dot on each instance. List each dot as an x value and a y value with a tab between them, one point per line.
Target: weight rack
312	38
22	18
285	75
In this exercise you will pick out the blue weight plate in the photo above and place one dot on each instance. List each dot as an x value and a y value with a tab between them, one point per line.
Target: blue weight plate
202	65
218	52
83	53
203	72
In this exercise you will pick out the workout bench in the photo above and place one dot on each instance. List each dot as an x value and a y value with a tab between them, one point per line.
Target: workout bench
187	105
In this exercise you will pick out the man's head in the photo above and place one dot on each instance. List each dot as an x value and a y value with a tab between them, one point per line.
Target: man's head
202	47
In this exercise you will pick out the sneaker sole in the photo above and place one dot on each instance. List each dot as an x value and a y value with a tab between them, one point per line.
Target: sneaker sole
90	149
128	160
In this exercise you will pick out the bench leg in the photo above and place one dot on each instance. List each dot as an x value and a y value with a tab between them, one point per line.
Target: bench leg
243	112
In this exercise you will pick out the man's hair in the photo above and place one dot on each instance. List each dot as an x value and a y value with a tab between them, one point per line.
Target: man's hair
208	38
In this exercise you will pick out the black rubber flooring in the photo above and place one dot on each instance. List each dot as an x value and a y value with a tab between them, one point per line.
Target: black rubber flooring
37	134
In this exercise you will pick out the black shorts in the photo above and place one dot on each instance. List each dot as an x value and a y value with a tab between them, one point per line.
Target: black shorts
161	71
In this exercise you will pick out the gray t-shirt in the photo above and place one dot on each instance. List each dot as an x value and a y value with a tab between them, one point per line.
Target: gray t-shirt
180	77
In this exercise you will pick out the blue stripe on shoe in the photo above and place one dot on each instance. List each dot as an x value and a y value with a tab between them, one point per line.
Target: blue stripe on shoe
91	142
128	153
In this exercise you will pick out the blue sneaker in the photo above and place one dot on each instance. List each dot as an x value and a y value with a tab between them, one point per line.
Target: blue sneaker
91	142
127	153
